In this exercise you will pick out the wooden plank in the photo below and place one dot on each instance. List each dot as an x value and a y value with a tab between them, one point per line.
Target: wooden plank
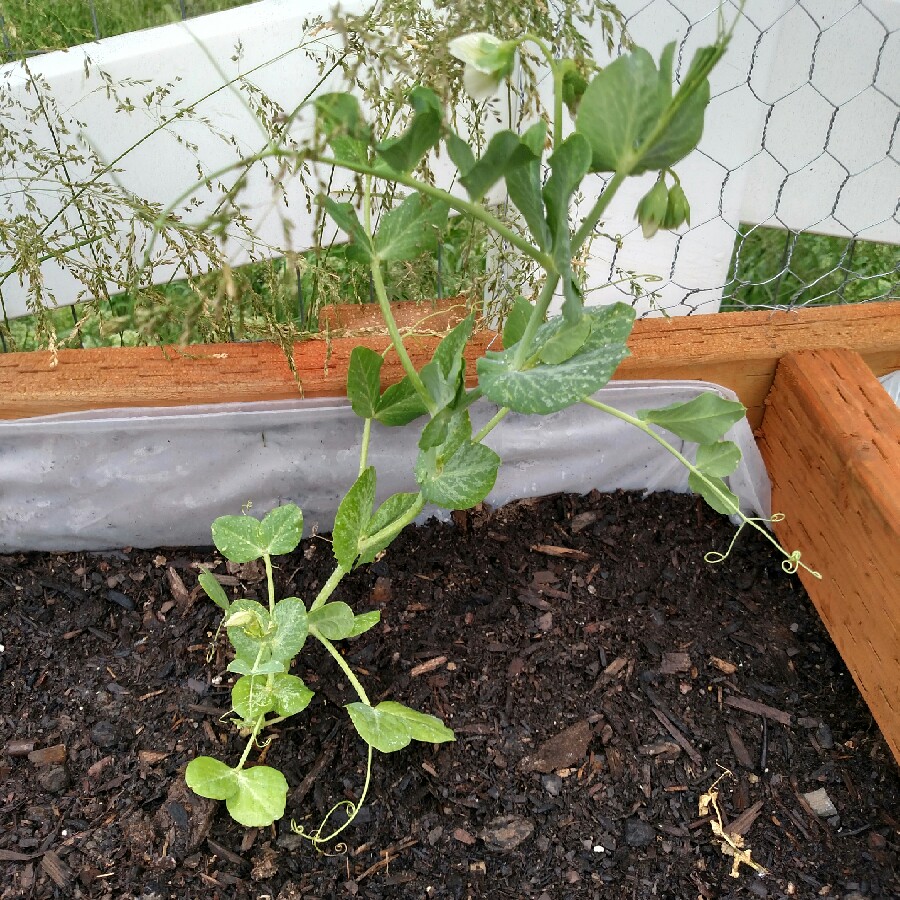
737	350
831	442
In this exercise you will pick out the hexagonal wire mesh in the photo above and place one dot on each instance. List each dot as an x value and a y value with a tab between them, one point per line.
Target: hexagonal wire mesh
797	185
817	216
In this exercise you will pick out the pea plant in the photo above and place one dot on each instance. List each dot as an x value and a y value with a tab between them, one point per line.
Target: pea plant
617	122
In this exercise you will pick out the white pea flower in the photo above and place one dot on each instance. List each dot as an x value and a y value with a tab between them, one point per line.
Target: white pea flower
487	61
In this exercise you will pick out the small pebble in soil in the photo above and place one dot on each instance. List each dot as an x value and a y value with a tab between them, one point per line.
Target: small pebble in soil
104	735
55	780
638	833
824	737
506	832
552	784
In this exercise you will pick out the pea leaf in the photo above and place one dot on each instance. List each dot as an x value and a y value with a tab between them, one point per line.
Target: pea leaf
345	217
403	153
244	667
566	342
391	726
340	121
210	778
443	375
400	404
333	621
363	622
281	529
364	381
725	501
260	798
237	538
353	515
290	694
384	732
394	508
516	321
292	627
460	480
422	727
247	638
718	459
505	152
460	153
251	697
618	110
523	183
548	388
703	419
410	229
214	590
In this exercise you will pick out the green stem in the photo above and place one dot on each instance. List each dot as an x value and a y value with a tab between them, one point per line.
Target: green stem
364	448
746	520
396	338
499	416
329	587
255	731
538	315
270	582
357	686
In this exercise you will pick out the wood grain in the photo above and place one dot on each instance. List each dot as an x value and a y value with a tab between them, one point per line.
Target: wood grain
737	350
831	442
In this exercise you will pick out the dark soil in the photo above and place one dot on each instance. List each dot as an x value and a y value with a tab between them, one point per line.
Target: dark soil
596	694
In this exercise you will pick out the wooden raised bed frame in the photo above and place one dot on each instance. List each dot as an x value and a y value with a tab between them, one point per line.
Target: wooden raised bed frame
829	433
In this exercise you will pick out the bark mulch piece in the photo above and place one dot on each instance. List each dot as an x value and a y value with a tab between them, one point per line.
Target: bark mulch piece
599	675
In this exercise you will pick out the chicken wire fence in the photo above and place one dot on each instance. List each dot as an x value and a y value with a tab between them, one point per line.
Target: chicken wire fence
794	187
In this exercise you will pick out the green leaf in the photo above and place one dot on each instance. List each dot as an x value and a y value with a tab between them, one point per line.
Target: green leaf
260	798
363	622
718	459
251	698
460	153
353	515
505	152
627	100
523	184
247	639
281	529
703	420
460	480
292	627
291	695
549	388
214	590
404	153
210	778
244	667
333	621
382	731
237	538
410	229
619	109
364	381
394	508
340	121
345	217
391	726
569	164
516	322
422	727
400	404
566	342
726	504
443	376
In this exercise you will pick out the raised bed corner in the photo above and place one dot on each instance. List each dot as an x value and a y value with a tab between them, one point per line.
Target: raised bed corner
831	442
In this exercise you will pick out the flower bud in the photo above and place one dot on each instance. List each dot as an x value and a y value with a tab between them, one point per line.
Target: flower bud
651	211
487	61
678	210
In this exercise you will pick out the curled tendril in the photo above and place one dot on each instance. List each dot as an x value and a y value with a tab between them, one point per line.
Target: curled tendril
315	837
791	565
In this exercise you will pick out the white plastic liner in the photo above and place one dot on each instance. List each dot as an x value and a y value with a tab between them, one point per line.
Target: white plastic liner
158	477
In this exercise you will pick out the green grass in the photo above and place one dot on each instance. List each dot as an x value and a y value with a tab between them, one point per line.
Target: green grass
770	267
40	25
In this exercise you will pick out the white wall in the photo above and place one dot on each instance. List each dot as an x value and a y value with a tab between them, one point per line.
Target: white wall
805	107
